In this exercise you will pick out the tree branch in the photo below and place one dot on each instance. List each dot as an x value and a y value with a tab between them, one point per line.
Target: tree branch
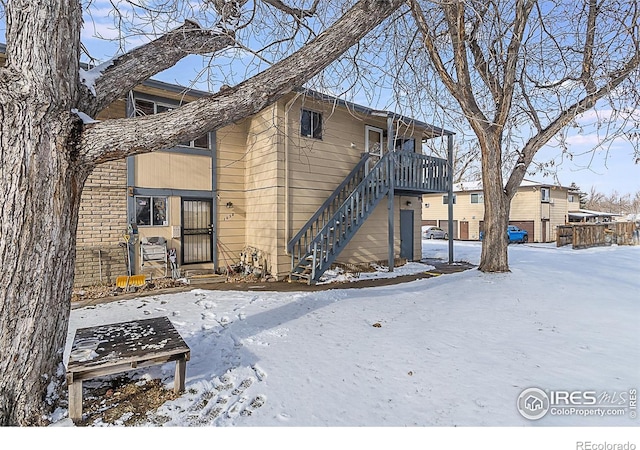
480	63
587	62
296	12
564	118
460	89
523	9
115	139
117	77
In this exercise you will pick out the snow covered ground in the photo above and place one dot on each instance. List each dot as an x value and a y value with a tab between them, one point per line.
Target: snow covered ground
451	351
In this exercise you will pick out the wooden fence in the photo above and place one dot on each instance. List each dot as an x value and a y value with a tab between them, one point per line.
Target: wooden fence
587	235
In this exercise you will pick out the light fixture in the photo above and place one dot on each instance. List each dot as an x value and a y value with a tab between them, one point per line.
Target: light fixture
229	205
408	202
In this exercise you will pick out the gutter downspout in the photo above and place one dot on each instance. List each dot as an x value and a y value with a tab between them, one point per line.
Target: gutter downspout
287	218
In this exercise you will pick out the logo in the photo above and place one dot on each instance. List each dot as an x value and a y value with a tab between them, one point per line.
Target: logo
533	403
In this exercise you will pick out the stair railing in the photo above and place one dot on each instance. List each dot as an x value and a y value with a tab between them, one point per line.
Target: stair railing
321	250
300	244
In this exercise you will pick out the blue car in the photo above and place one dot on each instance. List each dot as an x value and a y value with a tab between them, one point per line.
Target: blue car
515	234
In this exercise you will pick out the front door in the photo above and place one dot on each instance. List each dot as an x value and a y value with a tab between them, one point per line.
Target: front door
374	140
406	234
196	231
464	230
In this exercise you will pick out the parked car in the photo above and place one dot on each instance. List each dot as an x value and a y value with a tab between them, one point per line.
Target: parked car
514	233
517	234
435	233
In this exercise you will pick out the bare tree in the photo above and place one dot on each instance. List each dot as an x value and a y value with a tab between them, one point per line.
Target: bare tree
521	72
47	151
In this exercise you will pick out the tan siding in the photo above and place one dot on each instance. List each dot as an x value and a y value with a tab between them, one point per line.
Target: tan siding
231	151
262	184
173	171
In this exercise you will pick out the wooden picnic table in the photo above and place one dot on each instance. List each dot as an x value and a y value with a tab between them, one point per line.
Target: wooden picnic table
119	347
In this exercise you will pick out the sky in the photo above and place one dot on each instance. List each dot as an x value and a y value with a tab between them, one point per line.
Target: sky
605	171
445	357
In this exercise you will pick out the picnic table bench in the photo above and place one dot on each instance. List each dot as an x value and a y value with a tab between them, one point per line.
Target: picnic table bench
119	347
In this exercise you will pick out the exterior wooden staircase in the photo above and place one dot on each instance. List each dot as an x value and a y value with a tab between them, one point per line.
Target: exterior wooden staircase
319	242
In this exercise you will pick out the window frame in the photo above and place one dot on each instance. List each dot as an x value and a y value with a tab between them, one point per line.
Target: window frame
315	129
152	218
545	194
445	199
166	107
479	198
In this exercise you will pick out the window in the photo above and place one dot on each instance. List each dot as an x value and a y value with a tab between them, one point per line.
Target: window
544	195
445	199
570	198
151	211
311	124
147	108
407	145
477	198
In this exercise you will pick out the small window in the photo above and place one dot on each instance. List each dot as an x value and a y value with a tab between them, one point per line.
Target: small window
144	108
570	198
406	145
147	108
311	124
151	211
445	199
477	198
544	195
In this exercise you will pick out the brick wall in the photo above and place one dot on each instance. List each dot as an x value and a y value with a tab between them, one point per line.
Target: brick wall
102	223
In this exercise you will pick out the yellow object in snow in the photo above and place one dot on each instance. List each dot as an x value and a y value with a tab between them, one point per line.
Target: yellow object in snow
134	280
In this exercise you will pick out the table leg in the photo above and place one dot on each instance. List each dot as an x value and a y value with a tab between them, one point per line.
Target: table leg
75	400
181	369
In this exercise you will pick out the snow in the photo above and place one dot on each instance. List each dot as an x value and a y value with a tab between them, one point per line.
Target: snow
90	76
449	351
86	118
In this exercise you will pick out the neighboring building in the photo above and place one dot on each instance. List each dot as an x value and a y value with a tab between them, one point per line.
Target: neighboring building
589	216
306	182
537	207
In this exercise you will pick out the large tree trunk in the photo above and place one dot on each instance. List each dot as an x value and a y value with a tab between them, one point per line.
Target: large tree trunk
40	197
494	256
40	186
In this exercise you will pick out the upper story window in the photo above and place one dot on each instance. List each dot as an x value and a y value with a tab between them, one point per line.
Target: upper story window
311	124
477	198
407	145
445	199
545	194
570	198
147	108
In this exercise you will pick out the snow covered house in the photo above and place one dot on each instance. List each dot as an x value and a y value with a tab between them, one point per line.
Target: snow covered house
537	207
309	181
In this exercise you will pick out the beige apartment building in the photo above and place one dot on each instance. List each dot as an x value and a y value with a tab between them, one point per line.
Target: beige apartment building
537	207
308	182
